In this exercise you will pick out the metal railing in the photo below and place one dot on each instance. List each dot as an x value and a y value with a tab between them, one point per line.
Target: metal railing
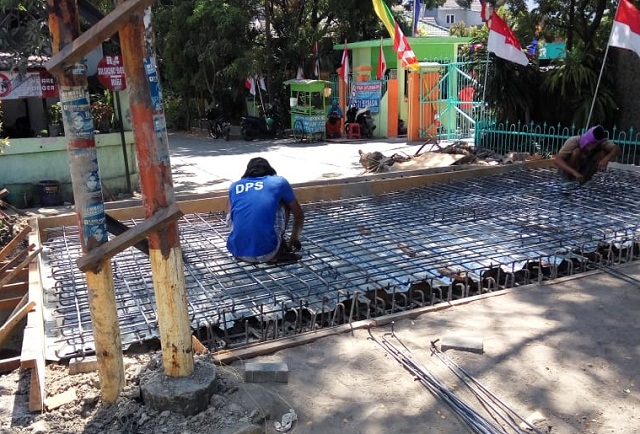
545	139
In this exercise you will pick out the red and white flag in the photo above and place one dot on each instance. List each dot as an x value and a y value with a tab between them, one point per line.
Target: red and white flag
300	74
401	45
625	32
344	74
503	42
250	84
316	61
263	85
382	63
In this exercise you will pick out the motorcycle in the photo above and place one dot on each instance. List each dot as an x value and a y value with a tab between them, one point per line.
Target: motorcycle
219	127
269	126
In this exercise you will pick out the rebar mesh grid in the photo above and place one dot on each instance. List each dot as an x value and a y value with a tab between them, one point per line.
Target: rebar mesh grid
362	258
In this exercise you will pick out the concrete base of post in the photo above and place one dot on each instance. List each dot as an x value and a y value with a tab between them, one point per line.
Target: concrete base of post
185	395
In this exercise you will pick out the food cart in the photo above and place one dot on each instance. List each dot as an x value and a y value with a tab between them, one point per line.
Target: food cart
308	108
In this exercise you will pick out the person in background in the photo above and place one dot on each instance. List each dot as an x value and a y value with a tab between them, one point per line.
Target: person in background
259	207
334	121
580	157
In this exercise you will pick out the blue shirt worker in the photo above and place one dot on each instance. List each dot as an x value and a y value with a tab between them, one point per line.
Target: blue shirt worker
580	157
259	207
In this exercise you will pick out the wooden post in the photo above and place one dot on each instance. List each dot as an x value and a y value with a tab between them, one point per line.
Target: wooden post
87	191
152	146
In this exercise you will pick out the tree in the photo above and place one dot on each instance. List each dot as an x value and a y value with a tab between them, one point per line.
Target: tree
23	31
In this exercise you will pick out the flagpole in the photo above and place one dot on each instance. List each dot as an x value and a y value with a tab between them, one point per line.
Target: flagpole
484	86
604	61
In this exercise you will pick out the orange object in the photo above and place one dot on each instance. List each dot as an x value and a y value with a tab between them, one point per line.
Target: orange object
353	130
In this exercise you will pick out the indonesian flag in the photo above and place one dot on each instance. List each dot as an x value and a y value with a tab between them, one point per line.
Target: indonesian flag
400	42
263	85
503	42
316	62
250	84
625	32
382	63
300	74
344	74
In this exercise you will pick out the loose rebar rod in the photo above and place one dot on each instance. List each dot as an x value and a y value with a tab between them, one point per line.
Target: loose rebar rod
480	391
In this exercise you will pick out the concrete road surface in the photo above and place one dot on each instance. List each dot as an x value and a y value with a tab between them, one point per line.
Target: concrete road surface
201	164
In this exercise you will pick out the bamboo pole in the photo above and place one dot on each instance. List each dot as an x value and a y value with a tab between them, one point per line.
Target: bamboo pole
152	147
87	191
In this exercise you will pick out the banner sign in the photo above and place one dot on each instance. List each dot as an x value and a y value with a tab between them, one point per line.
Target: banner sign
33	84
111	73
366	94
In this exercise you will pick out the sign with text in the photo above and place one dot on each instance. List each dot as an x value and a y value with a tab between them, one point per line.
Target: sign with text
111	73
33	84
366	94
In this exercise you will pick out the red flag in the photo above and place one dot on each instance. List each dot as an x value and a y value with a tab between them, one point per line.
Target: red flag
401	45
250	84
625	32
316	62
345	64
503	42
382	63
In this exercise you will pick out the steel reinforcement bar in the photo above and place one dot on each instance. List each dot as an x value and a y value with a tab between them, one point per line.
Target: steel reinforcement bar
363	258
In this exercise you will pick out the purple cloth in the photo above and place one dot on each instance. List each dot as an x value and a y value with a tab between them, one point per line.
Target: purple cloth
587	138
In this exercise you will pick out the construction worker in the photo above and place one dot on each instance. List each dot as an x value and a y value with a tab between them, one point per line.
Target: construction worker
582	156
258	212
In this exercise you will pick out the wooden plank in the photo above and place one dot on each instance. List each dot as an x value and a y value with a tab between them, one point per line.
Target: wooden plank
129	238
14	242
18	269
4	204
11	290
4	193
198	347
32	355
104	29
10	364
19	277
15	261
12	321
116	228
10	303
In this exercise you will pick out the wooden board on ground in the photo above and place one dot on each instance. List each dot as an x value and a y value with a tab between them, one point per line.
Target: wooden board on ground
32	356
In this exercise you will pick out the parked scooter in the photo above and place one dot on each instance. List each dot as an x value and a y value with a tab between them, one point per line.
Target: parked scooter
363	117
219	127
269	126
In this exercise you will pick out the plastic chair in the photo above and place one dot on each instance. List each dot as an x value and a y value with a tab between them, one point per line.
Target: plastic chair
353	130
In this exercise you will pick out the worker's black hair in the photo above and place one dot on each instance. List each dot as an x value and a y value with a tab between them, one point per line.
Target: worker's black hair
598	133
258	167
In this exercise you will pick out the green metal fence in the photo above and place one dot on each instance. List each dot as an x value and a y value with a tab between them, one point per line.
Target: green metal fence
545	140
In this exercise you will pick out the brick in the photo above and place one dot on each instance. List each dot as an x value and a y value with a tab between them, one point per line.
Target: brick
265	372
82	365
472	344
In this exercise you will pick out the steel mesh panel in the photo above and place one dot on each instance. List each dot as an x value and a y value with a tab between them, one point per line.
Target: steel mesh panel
363	257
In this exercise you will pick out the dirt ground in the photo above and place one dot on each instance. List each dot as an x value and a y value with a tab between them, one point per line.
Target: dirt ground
568	350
